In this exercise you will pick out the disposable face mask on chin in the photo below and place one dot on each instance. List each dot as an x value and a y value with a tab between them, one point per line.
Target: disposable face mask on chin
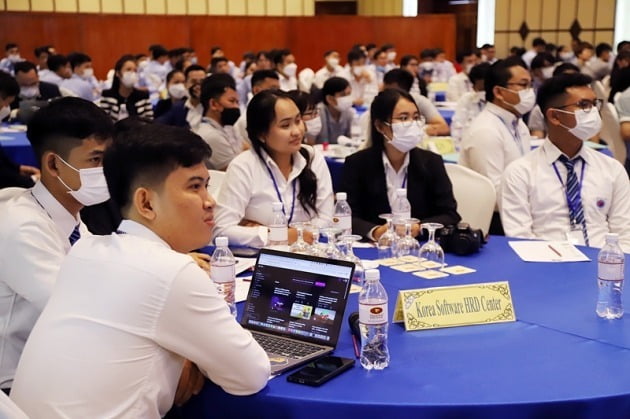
93	188
587	124
527	101
313	126
406	138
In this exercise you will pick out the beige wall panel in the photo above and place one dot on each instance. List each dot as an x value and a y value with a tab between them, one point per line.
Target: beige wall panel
217	7
275	7
175	7
567	14
502	15
550	14
18	5
309	7
606	13
514	39
156	7
587	36
112	6
197	7
135	7
605	36
586	13
237	7
41	5
90	6
550	36
256	8
67	6
517	14
501	44
533	12
294	7
564	38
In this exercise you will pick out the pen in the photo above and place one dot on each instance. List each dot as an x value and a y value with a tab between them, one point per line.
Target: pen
357	354
554	250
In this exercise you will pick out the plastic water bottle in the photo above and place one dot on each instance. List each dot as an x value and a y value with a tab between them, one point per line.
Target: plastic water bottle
223	272
373	322
343	214
402	207
610	273
278	229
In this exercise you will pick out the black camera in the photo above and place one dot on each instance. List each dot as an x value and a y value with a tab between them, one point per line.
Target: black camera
460	239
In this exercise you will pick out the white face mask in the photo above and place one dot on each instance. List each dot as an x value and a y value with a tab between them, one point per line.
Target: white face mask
87	73
547	72
313	126
332	62
4	112
527	101
93	188
391	56
566	56
290	69
143	64
129	78
344	103
29	92
587	124
15	58
177	90
358	70
407	138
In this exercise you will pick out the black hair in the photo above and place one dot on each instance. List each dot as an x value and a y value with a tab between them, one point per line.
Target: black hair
158	51
154	46
538	42
214	86
176	52
78	58
370	46
551	48
565	68
499	74
193	67
279	56
8	86
557	86
262	53
427	53
334	85
171	74
249	56
401	78
382	109
138	56
385	47
10	45
330	51
64	123
377	53
438	51
517	51
23	67
355	55
41	50
459	57
620	83
215	49
406	59
145	154
539	60
582	46
486	46
261	113
214	62
621	45
55	62
303	100
260	75
601	48
117	67
478	72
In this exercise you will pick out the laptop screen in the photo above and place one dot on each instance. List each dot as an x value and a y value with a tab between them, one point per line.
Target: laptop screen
298	296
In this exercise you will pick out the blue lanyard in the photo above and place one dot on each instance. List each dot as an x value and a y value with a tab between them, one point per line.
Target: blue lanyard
404	182
564	186
515	135
275	185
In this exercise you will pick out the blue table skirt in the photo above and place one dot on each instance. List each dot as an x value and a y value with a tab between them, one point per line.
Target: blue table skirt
18	148
557	360
447	114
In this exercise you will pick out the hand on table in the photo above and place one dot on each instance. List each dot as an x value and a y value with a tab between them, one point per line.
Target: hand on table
190	383
30	171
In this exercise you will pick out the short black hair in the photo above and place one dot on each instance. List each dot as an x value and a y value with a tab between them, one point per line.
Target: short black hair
41	50
145	154
355	55
8	86
459	57
538	42
486	46
171	74
260	75
303	100
406	59
552	89
330	51
377	53
399	77
24	67
370	46
582	46
64	123
621	45
55	62
278	56
10	45
518	51
539	60
602	48
334	85
387	46
427	53
499	74
193	67
215	49
214	62
565	68
78	58
176	52
479	72
158	51
214	86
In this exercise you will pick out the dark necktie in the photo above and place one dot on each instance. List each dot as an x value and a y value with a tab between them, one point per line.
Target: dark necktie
574	199
75	235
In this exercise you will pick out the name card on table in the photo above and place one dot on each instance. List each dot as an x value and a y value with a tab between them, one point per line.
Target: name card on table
462	305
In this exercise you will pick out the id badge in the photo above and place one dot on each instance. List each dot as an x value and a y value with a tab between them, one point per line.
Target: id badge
575	235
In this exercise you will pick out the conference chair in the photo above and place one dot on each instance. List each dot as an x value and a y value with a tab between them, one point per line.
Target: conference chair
475	196
10	410
611	132
216	180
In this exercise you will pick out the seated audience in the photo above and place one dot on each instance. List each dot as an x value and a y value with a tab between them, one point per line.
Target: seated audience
278	168
443	69
123	99
177	91
622	104
330	69
60	70
541	68
394	161
363	83
12	57
187	113
310	115
563	189
39	225
33	92
285	66
41	57
86	357
335	110
261	80
82	83
470	104
460	83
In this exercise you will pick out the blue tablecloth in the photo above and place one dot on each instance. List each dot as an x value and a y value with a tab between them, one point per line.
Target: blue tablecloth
557	360
18	148
447	114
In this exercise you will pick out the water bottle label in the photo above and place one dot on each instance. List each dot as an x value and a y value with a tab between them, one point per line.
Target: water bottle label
610	271
373	313
278	233
401	216
343	222
223	273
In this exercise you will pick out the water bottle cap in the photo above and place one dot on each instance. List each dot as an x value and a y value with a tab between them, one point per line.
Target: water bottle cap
372	274
221	241
612	237
341	196
277	206
401	192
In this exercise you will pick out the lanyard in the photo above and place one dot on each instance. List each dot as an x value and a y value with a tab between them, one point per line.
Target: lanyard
564	186
515	135
275	185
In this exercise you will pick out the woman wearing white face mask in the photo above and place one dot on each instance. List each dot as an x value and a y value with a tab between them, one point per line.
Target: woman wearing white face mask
335	110
371	176
123	99
310	115
176	91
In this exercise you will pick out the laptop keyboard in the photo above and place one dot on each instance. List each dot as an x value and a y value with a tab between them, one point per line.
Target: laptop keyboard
285	347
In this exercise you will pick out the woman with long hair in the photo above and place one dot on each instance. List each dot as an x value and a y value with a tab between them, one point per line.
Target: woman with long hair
123	99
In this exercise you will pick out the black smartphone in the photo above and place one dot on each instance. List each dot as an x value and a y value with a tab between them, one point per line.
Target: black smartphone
321	370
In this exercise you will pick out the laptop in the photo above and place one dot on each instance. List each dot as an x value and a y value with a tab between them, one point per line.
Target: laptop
295	306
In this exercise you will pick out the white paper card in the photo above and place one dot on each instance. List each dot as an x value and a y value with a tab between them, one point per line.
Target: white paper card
547	251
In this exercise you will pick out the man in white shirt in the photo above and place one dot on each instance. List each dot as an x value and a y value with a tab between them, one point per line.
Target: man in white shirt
488	53
38	225
82	83
261	80
130	308
362	80
565	190
189	112
286	67
335	110
460	83
220	101
443	69
330	69
538	46
472	103
60	70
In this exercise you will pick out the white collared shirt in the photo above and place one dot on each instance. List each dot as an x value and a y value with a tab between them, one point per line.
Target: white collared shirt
491	142
533	200
324	74
362	89
248	192
125	313
51	77
223	140
458	85
194	115
393	179
34	239
287	83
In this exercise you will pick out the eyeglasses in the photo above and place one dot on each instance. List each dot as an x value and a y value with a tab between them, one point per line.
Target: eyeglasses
522	84
311	114
586	105
407	121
